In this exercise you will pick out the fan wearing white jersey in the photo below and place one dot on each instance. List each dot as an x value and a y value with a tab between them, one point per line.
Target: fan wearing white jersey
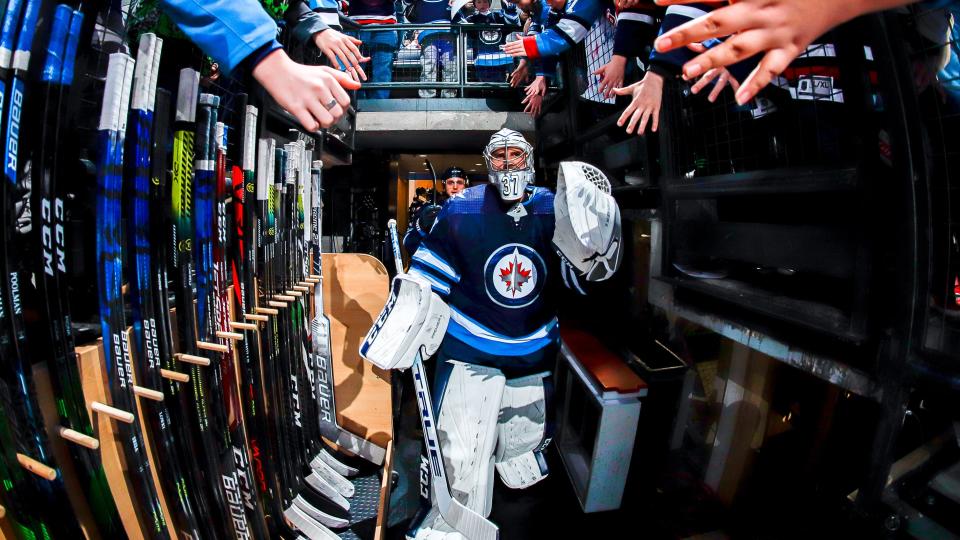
494	260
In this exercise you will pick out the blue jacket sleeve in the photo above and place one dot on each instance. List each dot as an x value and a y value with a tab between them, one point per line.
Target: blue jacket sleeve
229	31
669	63
574	24
511	14
328	11
636	28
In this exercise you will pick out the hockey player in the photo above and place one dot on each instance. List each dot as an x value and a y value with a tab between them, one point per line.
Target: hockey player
454	182
493	263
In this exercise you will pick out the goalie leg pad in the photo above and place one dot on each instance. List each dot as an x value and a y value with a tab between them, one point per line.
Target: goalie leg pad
467	429
522	431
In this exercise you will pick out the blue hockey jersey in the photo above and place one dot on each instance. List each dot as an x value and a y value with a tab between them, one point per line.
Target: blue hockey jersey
486	43
498	274
573	24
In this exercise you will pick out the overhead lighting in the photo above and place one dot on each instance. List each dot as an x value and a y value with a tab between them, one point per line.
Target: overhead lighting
479	164
421	155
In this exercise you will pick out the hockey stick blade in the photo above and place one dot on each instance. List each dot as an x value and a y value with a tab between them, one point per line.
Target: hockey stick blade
332	477
329	428
333	463
307	526
321	486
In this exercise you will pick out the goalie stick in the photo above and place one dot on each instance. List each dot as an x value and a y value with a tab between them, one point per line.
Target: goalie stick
471	524
322	349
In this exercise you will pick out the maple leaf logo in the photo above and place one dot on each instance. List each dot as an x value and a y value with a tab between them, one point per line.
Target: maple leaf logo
514	275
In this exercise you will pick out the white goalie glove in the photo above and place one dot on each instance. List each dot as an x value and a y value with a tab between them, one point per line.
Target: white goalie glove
414	319
587	232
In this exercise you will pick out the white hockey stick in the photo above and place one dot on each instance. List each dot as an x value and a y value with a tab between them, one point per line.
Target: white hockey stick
469	523
320	330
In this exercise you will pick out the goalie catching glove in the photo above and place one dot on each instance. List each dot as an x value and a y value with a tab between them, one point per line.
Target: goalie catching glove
587	232
413	320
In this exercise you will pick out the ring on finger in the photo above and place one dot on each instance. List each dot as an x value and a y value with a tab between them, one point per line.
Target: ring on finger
330	105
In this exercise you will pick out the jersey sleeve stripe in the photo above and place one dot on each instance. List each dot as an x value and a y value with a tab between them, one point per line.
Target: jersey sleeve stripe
434	261
689	12
573	28
438	286
635	17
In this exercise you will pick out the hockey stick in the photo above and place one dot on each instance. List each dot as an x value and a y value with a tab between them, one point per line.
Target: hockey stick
293	328
217	455
224	416
48	199
23	434
471	524
243	260
146	307
109	278
322	348
274	376
63	190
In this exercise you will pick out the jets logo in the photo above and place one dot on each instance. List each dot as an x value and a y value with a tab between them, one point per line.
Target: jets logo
490	37
514	276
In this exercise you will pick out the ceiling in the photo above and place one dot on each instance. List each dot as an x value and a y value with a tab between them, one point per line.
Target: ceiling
472	163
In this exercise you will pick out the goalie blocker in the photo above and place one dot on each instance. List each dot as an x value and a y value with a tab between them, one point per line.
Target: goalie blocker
413	317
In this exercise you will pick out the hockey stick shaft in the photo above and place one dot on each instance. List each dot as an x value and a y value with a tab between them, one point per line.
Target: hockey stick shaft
458	516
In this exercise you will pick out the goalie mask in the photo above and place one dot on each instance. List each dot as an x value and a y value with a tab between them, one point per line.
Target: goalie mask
509	160
587	232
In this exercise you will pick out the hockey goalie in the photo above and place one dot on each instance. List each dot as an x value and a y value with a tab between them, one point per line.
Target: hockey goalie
481	292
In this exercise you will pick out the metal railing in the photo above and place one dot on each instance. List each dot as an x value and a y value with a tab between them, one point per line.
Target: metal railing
416	57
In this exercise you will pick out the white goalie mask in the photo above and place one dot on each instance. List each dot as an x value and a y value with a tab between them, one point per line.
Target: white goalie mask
509	160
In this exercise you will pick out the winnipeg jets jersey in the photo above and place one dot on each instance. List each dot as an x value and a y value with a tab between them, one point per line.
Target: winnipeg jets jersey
499	274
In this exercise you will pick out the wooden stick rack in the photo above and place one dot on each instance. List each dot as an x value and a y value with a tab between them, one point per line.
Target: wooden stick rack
367	414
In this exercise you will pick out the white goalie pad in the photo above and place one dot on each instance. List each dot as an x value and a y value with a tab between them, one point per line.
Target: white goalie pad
521	432
587	231
467	424
414	317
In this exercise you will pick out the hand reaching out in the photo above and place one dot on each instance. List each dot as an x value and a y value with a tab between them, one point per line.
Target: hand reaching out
781	28
315	95
342	49
514	48
611	75
520	75
534	104
645	106
722	77
538	86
